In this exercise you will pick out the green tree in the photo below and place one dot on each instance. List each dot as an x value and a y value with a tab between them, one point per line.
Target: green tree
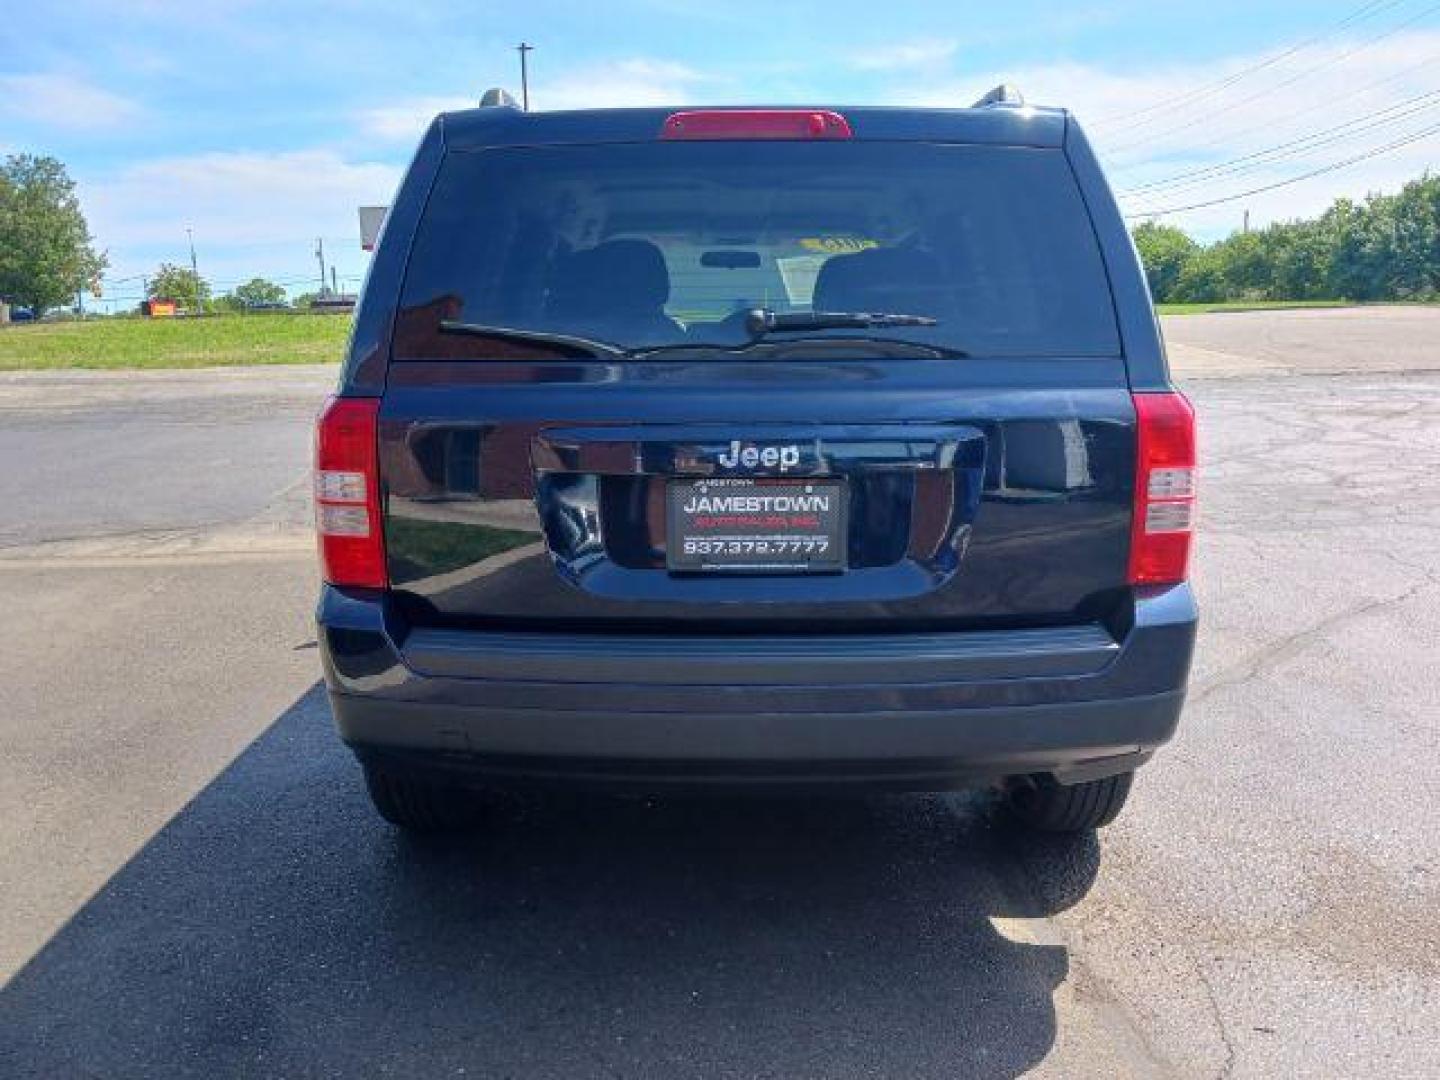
46	255
258	291
1202	281
1246	266
1414	264
1164	250
181	284
1300	261
1384	248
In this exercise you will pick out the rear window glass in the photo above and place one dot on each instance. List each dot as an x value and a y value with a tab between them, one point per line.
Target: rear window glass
673	243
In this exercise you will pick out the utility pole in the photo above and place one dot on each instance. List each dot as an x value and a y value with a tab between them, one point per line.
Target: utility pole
194	270
522	49
334	284
1245	227
320	256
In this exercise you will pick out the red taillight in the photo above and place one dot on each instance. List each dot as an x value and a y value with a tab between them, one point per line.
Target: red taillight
1164	489
756	124
347	493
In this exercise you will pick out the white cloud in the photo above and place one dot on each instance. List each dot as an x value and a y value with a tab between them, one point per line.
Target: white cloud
251	212
236	198
635	82
52	99
905	54
405	120
1283	102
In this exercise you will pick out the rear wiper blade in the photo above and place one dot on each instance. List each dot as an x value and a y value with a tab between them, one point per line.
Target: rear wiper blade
813	343
586	346
762	321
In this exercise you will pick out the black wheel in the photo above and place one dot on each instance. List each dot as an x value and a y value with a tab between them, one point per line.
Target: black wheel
1053	807
419	804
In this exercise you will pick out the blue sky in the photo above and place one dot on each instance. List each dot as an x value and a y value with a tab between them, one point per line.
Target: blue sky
264	125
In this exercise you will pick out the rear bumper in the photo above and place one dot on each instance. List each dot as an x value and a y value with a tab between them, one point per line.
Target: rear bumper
922	712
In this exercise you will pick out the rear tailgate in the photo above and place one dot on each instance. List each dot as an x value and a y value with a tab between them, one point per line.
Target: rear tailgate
529	495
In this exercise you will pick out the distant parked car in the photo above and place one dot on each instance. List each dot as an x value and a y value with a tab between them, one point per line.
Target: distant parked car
22	314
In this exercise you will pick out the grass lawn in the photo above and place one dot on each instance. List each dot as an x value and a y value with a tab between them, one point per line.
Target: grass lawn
271	337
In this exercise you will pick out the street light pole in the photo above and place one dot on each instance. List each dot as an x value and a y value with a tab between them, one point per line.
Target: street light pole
320	258
194	269
524	48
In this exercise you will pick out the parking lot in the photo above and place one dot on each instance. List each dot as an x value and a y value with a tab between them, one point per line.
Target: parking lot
193	882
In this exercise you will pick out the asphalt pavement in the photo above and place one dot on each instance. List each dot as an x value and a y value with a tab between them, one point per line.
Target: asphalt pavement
192	882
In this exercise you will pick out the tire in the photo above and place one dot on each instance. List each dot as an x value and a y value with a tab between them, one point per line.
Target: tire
417	804
1072	808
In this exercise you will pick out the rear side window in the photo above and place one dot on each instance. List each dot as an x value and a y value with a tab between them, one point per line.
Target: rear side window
669	243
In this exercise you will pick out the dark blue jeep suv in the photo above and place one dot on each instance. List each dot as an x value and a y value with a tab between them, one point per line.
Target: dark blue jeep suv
769	447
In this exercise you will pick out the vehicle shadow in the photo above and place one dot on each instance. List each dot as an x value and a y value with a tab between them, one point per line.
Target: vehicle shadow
277	927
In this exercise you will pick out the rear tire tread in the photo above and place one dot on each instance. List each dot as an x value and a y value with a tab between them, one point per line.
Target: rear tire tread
417	804
1092	804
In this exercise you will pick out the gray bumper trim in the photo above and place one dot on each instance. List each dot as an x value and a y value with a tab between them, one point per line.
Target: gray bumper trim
994	741
767	660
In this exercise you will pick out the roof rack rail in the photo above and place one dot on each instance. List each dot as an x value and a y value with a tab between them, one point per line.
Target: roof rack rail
1004	94
497	97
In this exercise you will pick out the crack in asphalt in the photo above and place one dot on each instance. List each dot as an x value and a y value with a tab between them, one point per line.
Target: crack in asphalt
1222	1028
1264	659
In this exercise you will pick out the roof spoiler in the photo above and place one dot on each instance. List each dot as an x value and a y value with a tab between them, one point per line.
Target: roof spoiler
1004	94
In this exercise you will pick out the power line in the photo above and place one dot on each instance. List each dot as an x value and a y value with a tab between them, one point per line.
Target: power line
1304	73
1316	139
1365	156
222	283
229	283
1172	104
1324	103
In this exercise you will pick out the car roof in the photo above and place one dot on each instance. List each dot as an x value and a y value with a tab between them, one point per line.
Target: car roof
996	124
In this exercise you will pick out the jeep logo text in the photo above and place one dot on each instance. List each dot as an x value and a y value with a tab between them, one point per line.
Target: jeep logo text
785	457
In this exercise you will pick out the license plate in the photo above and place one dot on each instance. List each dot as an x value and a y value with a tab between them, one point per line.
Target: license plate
758	525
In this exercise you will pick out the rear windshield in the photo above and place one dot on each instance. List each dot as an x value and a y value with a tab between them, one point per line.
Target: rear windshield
675	243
